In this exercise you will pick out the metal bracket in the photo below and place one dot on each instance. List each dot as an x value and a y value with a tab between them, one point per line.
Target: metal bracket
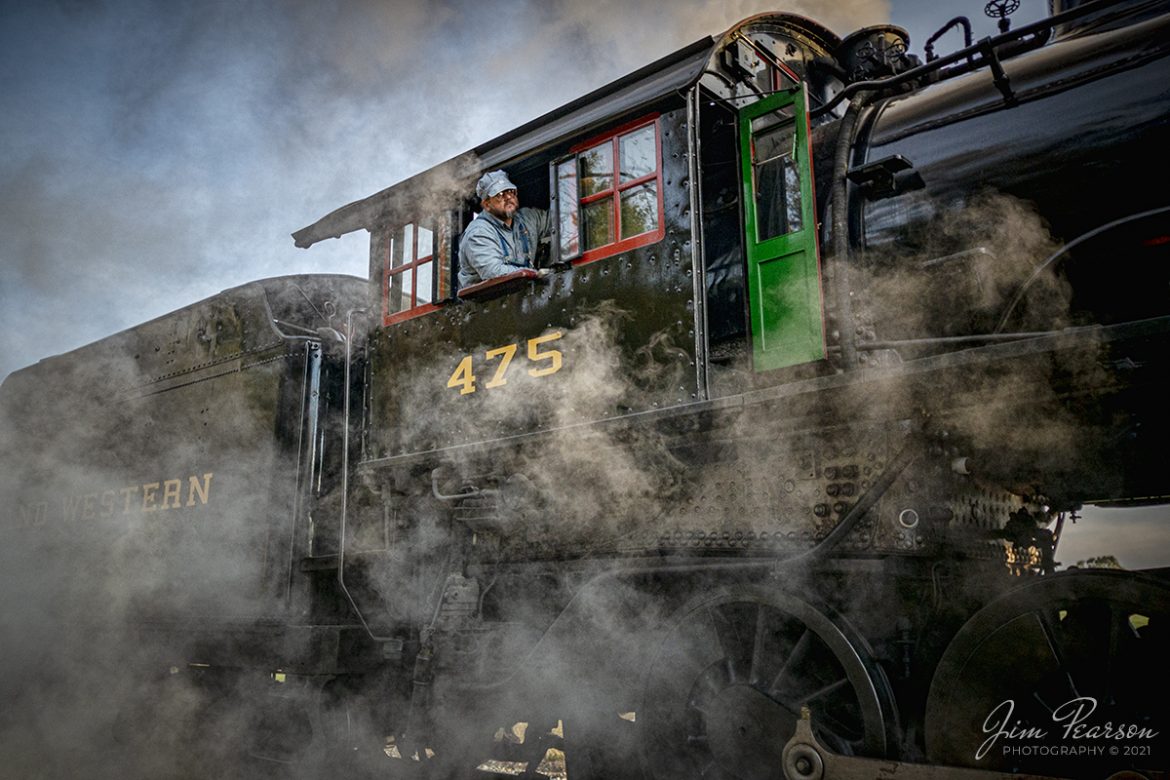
886	177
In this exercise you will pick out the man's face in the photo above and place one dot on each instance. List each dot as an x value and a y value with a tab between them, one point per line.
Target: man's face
503	206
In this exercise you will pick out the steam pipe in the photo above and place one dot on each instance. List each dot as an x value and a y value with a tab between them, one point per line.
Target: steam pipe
294	326
299	501
962	21
999	76
1023	288
839	271
699	243
1041	26
451	496
978	338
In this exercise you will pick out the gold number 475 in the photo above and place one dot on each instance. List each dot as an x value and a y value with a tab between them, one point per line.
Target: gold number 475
544	362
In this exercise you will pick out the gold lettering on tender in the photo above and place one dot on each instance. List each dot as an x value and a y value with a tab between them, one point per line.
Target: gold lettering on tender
171	488
148	496
107	504
72	507
89	506
128	492
194	487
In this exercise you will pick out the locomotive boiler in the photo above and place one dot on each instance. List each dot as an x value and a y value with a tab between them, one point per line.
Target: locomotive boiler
762	474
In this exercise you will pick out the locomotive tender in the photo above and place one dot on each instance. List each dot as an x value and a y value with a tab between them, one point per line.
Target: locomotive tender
764	479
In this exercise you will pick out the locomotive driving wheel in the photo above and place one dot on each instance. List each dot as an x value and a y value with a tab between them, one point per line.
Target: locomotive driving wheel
1075	656
725	689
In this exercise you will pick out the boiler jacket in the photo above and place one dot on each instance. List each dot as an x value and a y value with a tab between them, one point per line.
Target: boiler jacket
489	249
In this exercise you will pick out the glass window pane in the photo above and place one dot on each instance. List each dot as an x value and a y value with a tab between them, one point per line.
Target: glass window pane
426	243
394	249
638	154
408	245
597	169
567	209
423	291
640	209
772	119
777	183
598	218
781	80
399	297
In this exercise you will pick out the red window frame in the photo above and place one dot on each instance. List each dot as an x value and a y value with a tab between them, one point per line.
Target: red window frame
780	71
777	70
618	187
435	257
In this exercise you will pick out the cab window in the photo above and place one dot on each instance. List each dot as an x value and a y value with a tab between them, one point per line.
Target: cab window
609	193
415	273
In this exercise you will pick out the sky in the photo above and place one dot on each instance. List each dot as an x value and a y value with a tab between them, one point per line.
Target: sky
154	153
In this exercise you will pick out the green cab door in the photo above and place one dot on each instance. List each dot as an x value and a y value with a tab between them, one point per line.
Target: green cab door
783	269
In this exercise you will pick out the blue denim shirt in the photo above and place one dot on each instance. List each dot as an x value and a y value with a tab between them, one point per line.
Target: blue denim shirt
489	249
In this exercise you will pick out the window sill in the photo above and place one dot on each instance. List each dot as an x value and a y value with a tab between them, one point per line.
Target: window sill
500	285
409	314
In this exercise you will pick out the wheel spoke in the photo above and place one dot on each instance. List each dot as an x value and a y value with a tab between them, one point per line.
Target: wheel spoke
759	647
1089	636
724	630
1116	618
707	688
1052	635
799	650
826	691
735	624
832	730
1049	708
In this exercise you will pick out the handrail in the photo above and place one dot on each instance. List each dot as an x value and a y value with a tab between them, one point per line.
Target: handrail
345	485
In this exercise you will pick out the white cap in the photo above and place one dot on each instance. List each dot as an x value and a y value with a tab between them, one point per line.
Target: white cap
492	184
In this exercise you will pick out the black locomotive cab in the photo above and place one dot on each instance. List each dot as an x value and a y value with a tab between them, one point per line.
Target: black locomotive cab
450	366
682	261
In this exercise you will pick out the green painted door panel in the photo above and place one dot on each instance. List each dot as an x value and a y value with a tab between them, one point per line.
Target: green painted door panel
784	290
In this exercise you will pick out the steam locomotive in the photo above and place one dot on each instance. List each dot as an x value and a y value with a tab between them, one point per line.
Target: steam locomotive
763	476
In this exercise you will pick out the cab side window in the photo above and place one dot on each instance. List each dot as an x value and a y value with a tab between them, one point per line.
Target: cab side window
415	273
609	193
